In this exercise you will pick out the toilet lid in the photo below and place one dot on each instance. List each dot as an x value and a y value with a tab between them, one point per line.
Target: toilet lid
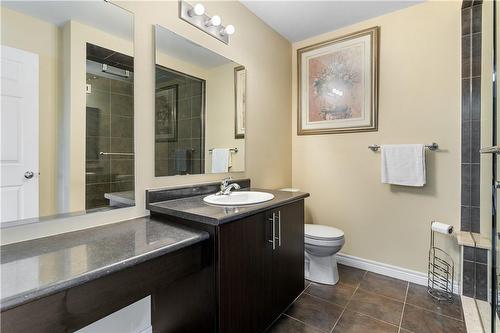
318	231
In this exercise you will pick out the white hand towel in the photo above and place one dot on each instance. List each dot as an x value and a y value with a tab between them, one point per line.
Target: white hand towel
403	165
221	160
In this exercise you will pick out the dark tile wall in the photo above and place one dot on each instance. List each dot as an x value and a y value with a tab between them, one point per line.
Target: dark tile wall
190	115
475	272
471	115
109	128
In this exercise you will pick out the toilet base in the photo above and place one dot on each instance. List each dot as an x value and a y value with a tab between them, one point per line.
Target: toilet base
321	269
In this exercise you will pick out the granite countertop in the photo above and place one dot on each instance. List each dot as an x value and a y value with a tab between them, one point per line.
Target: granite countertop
195	209
41	267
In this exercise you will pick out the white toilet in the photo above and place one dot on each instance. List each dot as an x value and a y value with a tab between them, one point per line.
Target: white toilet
322	243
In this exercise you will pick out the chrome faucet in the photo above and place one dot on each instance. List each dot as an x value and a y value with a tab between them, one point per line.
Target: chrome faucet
225	187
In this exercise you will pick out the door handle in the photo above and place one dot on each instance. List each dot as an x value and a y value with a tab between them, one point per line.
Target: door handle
273	238
279	228
29	174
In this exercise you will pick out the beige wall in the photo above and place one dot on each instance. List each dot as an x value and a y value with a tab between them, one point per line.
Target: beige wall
266	56
419	102
17	31
219	126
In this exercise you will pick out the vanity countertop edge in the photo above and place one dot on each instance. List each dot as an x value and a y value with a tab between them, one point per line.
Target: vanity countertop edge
167	238
195	209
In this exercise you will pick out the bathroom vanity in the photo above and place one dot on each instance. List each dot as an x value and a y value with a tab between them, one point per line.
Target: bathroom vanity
257	251
65	282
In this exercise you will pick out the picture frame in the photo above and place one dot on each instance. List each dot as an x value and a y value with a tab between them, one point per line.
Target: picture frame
166	105
337	88
240	102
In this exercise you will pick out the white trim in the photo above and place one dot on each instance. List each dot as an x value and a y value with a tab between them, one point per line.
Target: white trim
388	270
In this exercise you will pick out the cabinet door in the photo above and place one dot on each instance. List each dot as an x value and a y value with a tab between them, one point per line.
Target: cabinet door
245	279
288	258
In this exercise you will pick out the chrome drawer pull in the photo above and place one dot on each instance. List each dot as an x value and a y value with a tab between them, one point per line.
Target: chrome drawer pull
273	240
279	228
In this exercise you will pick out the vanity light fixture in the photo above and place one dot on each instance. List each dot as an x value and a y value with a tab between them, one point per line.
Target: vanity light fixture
197	10
212	25
228	31
215	21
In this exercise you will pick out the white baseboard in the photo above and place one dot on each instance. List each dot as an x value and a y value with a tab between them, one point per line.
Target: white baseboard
386	269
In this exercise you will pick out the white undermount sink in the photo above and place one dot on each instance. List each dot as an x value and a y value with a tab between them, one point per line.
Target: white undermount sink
239	198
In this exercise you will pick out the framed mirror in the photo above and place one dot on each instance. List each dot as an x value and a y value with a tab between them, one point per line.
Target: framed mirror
200	105
67	109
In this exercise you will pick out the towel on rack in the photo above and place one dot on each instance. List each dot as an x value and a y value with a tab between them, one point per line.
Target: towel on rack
182	161
221	160
403	164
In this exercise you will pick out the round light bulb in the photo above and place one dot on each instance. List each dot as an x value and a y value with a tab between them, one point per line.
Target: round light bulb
216	20
229	30
197	10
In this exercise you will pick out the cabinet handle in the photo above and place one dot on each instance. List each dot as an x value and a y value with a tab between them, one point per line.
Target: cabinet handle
279	228
273	239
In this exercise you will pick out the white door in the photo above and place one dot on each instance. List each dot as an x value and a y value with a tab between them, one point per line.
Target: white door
18	134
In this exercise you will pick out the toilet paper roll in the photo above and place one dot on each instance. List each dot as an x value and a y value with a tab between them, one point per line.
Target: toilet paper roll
442	228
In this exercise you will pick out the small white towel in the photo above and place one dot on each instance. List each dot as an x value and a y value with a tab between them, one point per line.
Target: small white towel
403	165
221	160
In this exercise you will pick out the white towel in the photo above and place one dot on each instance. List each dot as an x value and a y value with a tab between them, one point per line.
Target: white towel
403	164
221	160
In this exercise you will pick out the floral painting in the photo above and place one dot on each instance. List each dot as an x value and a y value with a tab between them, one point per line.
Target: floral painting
338	85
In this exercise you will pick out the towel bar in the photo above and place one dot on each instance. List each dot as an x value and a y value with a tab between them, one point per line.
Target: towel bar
234	150
432	146
124	154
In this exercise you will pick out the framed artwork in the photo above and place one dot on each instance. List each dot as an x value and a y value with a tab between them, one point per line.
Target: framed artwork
166	113
240	75
338	85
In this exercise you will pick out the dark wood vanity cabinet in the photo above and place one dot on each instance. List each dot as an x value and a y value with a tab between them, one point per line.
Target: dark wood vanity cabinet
257	279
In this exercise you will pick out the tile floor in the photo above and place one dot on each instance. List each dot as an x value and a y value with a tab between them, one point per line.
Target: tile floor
369	302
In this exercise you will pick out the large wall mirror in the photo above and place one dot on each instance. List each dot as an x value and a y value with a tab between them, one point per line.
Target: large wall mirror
199	109
67	117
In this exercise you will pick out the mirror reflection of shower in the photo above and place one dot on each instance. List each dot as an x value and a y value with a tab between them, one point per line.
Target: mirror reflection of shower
109	162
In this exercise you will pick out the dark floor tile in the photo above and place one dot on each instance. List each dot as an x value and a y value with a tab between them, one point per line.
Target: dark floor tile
419	320
418	295
315	312
384	285
352	322
376	306
350	275
286	324
338	294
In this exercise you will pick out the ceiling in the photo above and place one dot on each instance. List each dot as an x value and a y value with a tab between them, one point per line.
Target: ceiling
298	20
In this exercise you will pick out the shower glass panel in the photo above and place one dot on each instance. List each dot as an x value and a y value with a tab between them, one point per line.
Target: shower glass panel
109	163
483	93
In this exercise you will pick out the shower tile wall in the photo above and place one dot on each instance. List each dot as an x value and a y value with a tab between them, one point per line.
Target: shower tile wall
474	265
110	128
190	104
471	114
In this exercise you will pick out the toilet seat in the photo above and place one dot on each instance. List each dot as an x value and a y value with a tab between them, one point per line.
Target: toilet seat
324	242
322	233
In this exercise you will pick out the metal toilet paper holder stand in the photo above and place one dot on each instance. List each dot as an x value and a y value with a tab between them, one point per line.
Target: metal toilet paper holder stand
441	272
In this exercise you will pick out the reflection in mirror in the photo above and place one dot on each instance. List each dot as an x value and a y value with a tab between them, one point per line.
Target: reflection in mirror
67	109
199	109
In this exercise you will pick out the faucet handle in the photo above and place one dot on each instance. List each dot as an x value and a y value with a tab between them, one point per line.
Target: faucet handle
225	181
